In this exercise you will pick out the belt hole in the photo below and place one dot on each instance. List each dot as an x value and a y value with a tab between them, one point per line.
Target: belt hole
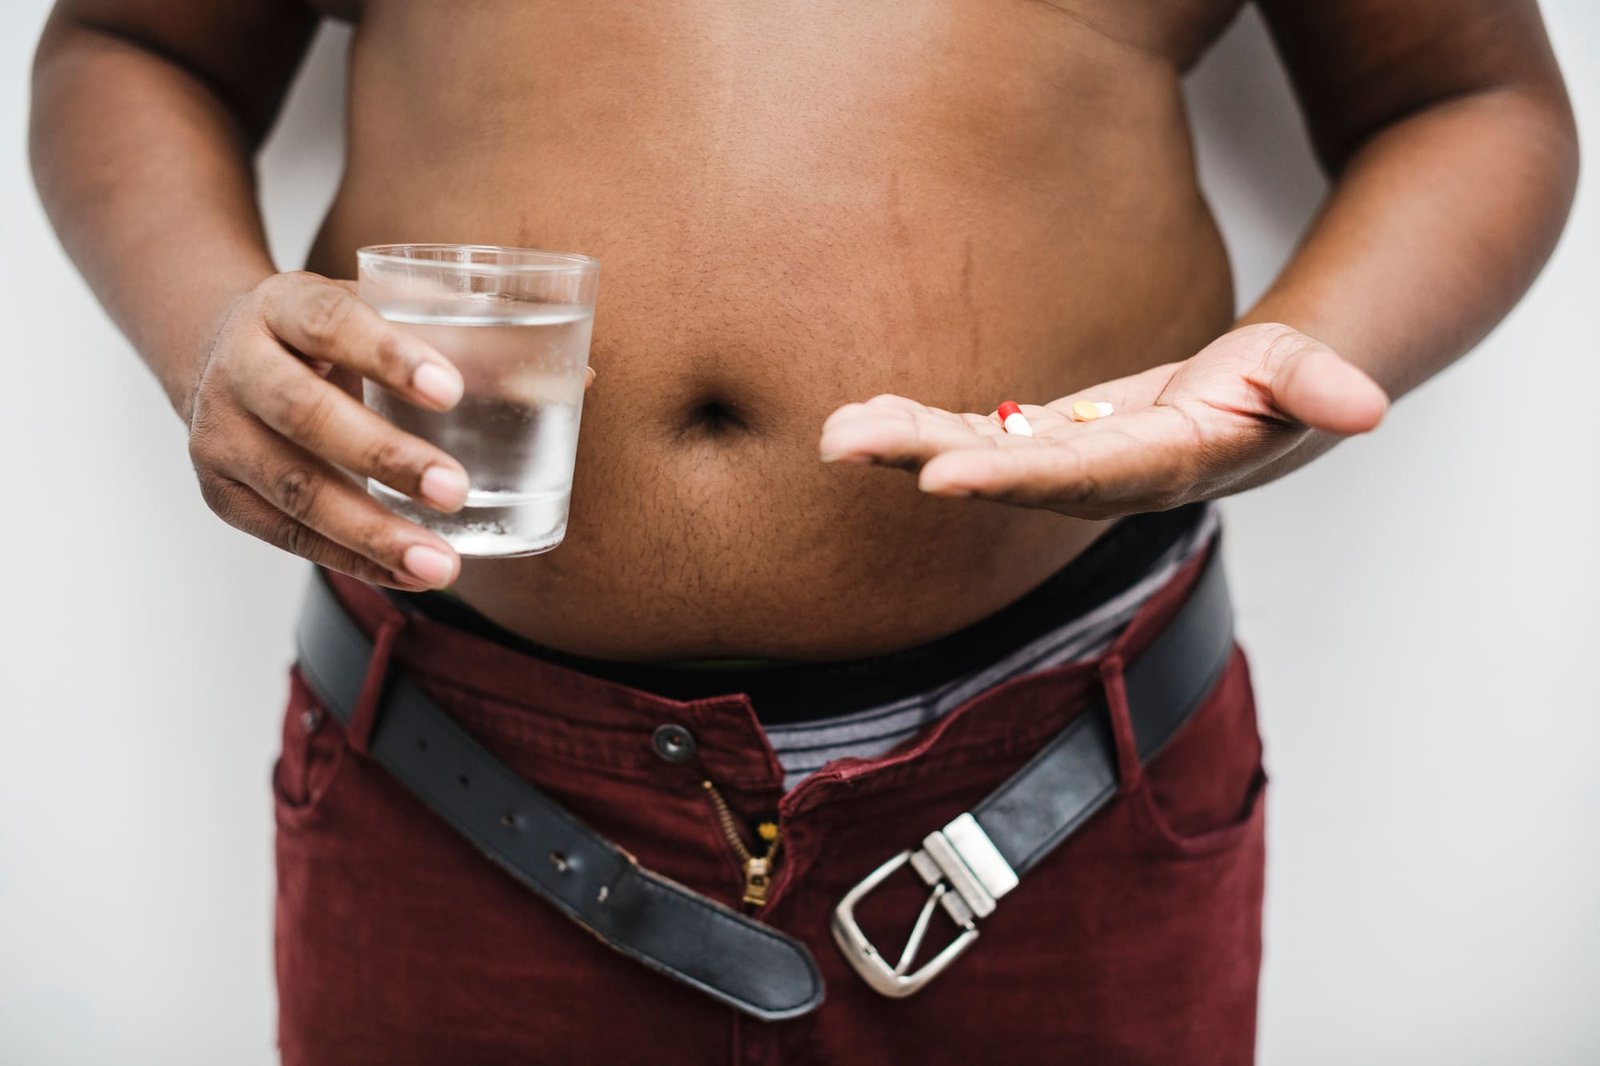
510	820
422	743
559	860
463	780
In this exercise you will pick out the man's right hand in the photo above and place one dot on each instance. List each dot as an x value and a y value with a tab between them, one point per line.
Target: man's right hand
270	428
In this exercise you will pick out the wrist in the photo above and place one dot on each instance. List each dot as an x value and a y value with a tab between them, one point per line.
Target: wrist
181	356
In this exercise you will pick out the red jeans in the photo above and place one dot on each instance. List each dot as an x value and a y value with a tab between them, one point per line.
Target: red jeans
1136	941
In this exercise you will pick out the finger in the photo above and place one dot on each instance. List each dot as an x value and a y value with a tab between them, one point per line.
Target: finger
1312	384
895	431
293	399
323	319
1102	471
243	508
588	377
313	494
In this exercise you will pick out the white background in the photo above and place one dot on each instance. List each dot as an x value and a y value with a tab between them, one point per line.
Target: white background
1422	606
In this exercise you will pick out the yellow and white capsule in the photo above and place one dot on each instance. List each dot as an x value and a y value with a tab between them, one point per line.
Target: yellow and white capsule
1089	410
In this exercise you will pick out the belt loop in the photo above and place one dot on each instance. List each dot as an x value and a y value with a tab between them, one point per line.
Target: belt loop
1128	766
365	715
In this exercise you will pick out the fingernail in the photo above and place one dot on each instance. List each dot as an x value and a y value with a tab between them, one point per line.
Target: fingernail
429	565
444	486
846	457
441	384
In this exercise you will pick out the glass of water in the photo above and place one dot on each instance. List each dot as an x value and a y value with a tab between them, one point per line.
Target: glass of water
516	323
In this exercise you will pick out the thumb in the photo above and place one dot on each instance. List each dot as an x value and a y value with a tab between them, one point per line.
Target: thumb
1314	385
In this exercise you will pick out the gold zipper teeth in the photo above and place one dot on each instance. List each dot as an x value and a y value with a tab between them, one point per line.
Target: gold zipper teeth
730	827
757	871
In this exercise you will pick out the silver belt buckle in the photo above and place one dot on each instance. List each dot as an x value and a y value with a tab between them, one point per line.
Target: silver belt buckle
967	875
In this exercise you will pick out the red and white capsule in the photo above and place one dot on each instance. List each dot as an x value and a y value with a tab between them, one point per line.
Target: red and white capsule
1013	420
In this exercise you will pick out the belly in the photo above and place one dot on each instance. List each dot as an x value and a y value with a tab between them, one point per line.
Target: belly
795	206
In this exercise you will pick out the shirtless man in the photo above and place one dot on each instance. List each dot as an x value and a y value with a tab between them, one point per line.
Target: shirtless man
940	205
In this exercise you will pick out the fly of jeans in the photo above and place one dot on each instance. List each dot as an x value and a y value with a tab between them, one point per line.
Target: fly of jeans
757	868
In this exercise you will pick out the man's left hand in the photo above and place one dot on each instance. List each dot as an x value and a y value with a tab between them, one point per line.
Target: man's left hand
1186	431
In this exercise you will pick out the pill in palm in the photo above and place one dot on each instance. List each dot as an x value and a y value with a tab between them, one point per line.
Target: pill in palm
1012	419
1089	410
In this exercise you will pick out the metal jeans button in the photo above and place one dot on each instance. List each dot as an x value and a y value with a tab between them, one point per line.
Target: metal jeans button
673	743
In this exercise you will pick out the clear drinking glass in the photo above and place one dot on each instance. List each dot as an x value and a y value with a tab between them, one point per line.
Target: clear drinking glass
516	323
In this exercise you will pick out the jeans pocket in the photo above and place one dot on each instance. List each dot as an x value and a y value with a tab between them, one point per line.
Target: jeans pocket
1205	792
312	754
1210	841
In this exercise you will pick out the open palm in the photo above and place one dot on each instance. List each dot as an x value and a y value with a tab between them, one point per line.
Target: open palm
1180	432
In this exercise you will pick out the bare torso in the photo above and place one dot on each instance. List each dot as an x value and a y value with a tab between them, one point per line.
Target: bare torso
796	205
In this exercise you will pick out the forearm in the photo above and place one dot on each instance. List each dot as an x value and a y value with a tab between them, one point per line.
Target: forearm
147	178
1433	230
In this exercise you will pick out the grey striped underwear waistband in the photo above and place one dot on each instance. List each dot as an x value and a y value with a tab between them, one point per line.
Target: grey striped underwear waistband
803	748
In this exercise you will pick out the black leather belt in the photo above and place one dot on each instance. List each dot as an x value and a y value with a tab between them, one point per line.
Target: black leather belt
970	863
979	856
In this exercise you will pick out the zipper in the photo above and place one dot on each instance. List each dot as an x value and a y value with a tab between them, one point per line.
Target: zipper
757	868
